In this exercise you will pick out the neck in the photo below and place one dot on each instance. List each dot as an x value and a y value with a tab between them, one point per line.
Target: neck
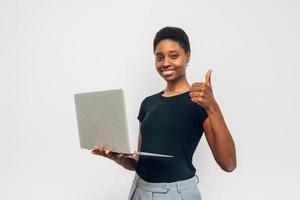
179	85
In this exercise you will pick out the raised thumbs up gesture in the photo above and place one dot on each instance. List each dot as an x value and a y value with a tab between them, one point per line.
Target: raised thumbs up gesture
201	92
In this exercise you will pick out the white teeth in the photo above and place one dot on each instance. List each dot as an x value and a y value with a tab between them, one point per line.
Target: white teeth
165	70
168	72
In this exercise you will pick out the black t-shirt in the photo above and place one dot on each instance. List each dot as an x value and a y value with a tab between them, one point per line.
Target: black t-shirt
172	126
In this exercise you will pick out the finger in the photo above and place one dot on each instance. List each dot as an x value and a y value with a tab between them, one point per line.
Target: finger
94	150
208	77
197	84
195	94
97	152
100	147
198	100
106	152
197	87
100	152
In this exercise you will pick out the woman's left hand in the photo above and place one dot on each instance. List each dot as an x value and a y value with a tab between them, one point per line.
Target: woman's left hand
202	94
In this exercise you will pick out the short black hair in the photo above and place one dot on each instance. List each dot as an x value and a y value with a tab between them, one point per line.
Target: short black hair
173	33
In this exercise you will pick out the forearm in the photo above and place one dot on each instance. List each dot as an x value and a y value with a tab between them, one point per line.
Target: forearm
224	148
130	164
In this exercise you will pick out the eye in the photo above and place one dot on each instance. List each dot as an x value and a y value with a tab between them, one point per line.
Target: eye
159	58
174	56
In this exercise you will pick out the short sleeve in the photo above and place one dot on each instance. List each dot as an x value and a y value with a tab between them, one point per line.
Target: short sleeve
202	113
142	111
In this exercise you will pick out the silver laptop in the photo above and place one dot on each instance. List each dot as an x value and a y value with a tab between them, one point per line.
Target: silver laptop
101	120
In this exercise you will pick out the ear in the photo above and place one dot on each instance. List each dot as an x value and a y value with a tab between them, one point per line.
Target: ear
188	56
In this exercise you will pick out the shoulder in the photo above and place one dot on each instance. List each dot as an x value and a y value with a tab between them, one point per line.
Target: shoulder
151	98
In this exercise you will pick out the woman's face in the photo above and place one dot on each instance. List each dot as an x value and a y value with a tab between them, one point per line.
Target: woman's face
170	59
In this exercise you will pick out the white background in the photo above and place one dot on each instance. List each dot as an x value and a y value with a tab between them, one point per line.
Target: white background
50	50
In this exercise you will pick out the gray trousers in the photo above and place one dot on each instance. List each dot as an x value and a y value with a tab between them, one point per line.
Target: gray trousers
180	190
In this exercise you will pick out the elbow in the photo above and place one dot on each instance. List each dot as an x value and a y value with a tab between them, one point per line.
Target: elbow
230	167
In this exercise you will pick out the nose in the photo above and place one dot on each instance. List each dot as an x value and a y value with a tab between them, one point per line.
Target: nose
166	62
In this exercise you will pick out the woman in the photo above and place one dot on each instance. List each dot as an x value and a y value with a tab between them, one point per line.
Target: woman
172	122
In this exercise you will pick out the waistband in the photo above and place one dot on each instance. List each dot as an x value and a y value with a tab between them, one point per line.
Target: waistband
166	187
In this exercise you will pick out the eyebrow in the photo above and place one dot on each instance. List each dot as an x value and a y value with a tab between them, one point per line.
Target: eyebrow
172	51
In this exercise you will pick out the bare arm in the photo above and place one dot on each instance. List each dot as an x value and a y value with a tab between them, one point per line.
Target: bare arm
215	128
219	139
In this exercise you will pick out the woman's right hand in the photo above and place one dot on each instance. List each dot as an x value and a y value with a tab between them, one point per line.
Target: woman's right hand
120	158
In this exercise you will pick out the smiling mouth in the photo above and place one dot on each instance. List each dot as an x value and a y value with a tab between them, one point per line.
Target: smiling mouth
167	72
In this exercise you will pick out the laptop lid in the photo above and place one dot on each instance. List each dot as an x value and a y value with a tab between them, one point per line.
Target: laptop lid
101	119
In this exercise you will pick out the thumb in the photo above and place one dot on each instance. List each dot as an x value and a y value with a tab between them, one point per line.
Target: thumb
208	77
